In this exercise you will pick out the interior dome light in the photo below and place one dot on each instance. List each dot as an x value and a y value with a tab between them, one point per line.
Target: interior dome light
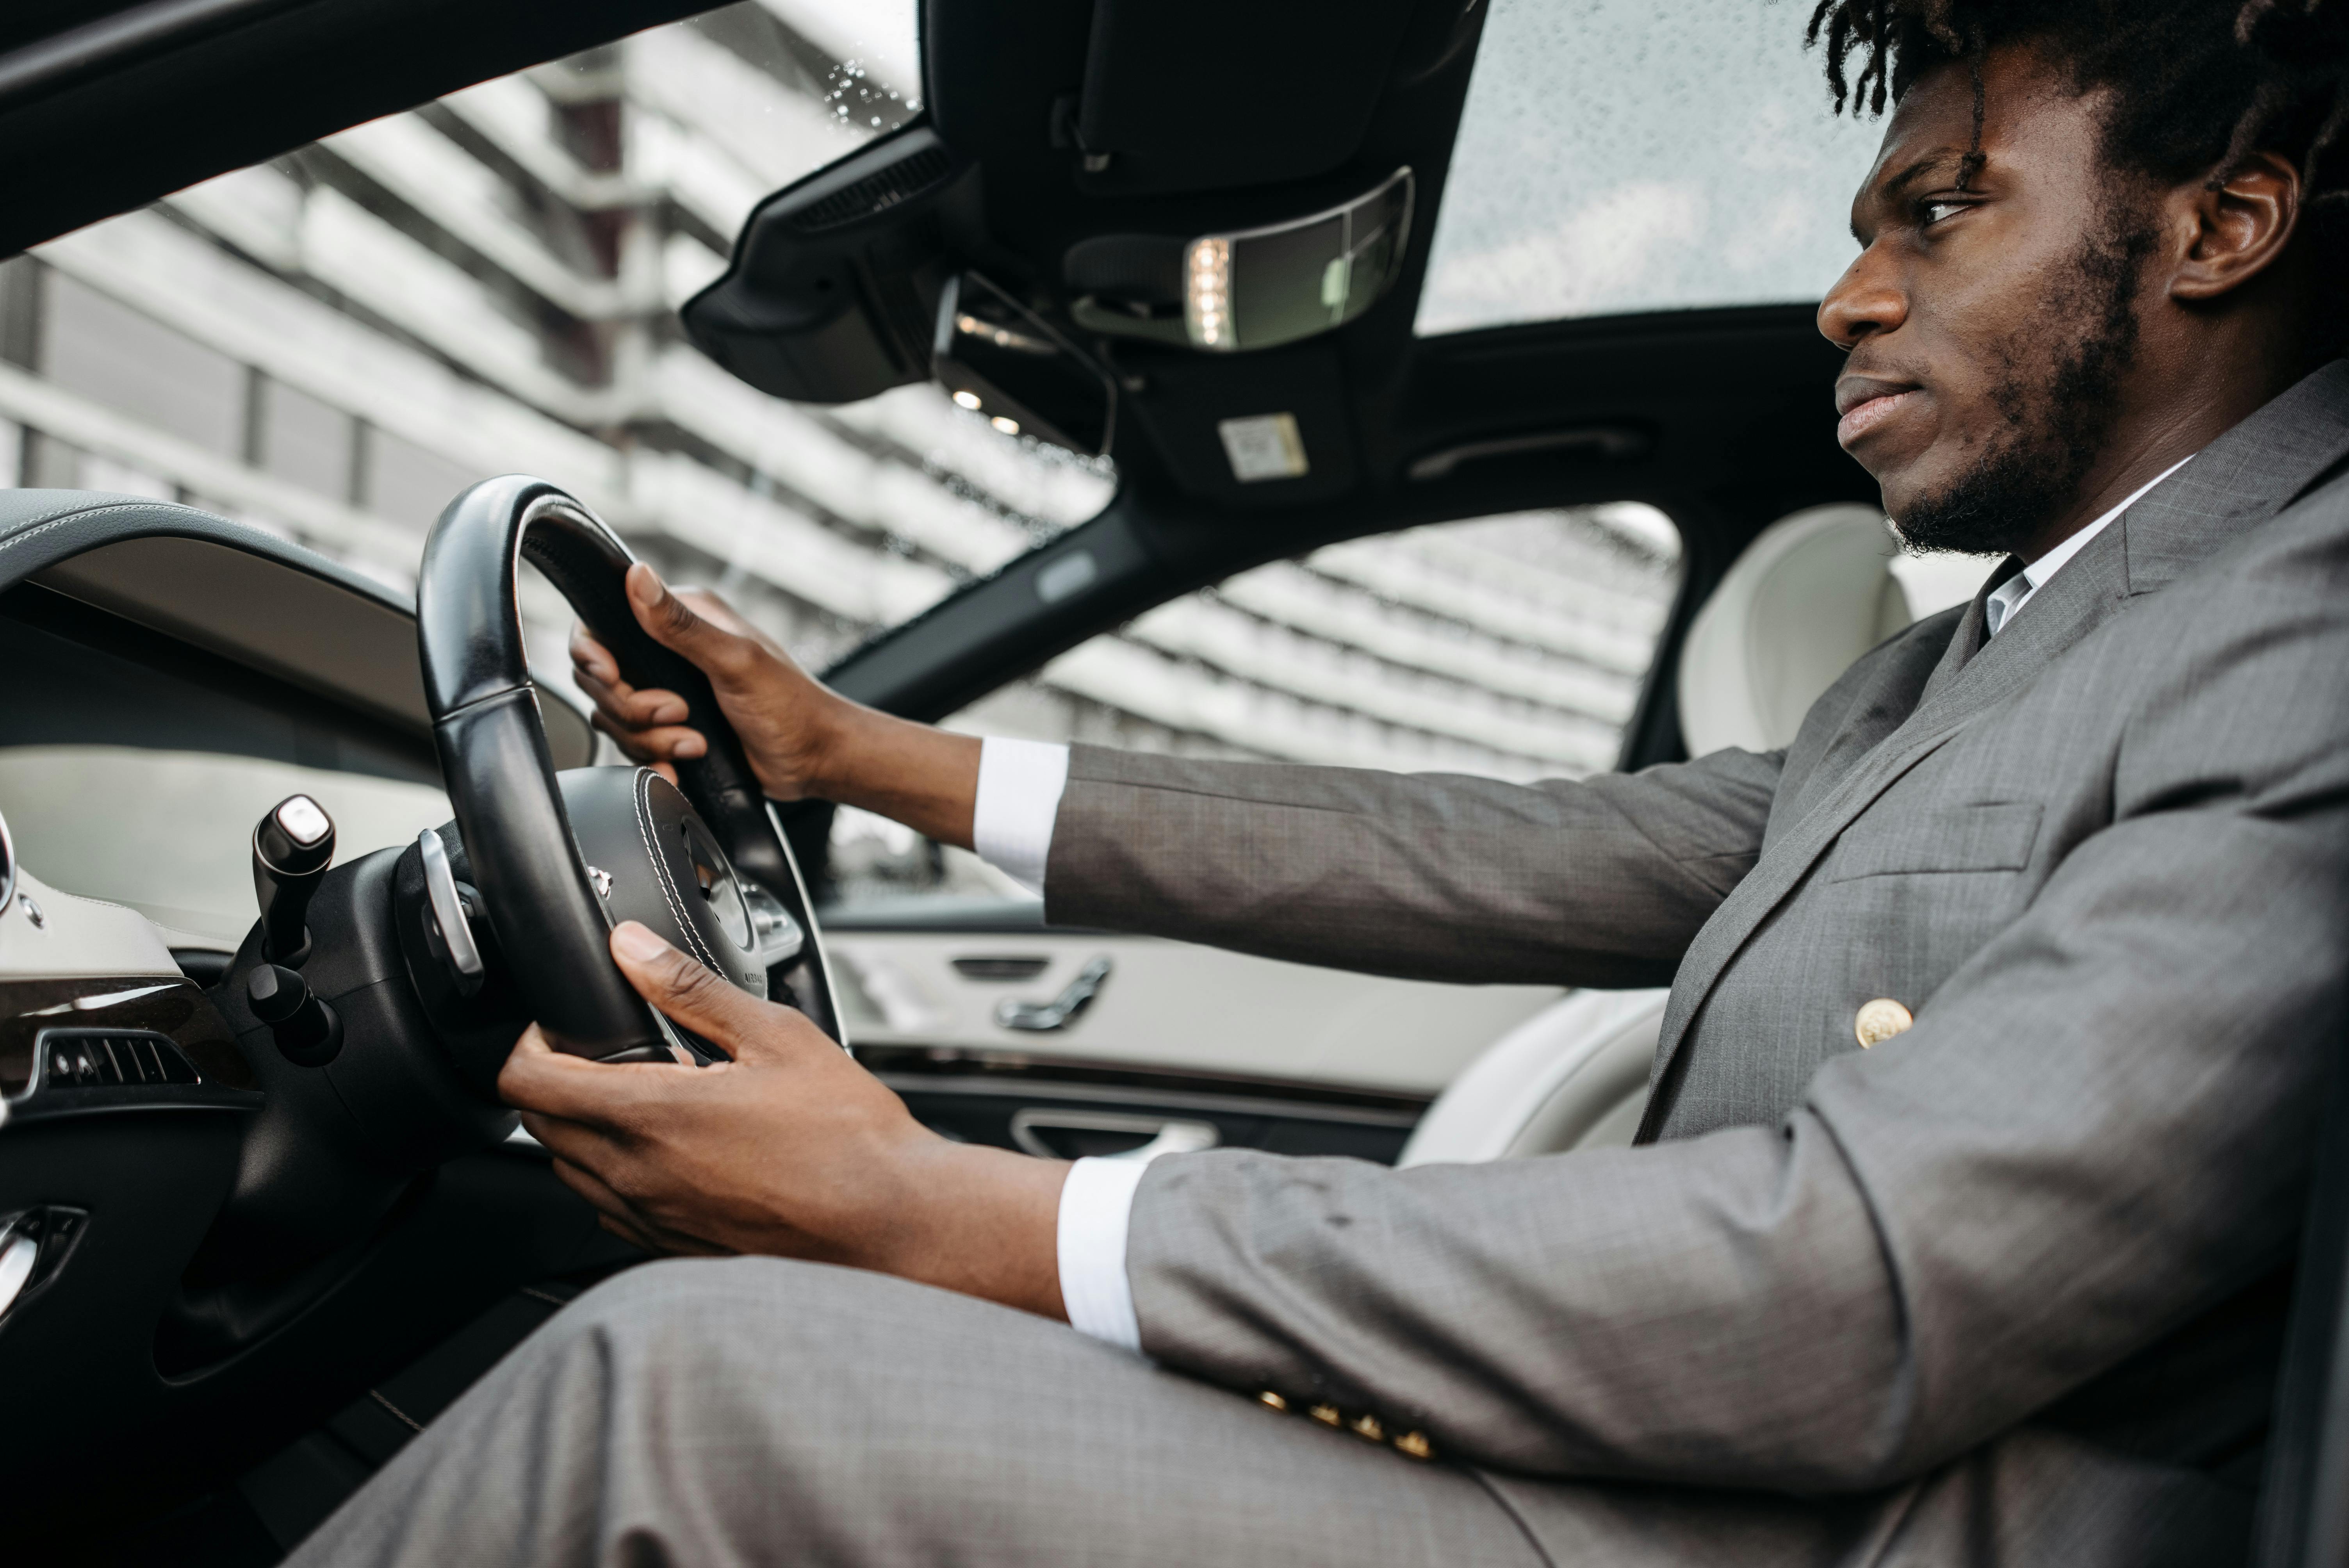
1211	282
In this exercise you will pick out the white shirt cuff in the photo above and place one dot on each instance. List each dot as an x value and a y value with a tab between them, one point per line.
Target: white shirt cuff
1019	787
1096	1204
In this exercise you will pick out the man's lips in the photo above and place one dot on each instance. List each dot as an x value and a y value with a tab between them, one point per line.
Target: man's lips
1865	403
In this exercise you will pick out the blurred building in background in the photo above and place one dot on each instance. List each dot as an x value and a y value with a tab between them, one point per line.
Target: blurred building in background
332	345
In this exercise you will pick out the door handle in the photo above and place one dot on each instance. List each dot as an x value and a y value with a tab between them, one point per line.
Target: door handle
1167	1135
1042	1018
18	1253
33	1247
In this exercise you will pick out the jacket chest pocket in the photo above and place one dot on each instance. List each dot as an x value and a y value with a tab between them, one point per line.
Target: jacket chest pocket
1994	836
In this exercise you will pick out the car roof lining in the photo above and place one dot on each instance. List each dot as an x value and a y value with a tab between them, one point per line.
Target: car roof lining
160	95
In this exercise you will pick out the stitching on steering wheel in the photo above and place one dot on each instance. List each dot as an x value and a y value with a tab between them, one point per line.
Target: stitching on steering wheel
643	797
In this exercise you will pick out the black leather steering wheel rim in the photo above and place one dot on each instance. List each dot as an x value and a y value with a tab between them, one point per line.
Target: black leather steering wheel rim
501	775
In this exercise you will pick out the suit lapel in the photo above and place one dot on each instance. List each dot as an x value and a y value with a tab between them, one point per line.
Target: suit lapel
2240	480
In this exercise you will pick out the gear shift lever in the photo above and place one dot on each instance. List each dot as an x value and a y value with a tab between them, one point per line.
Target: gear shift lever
292	848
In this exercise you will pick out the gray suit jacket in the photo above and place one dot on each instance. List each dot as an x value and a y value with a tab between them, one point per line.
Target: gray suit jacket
2103	859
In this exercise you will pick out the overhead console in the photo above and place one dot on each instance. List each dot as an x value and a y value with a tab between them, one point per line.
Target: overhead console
1255	288
1099	191
1220	95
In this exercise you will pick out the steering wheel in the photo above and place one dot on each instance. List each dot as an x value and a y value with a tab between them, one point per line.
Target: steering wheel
561	858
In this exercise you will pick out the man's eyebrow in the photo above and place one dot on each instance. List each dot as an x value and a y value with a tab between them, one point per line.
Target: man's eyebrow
1890	189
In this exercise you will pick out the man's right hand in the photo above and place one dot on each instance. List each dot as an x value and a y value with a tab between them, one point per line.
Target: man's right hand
785	718
803	741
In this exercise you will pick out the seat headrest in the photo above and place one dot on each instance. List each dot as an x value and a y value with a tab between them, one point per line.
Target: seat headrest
1812	593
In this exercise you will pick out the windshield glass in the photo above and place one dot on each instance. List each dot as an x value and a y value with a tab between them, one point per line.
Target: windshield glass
1640	155
333	344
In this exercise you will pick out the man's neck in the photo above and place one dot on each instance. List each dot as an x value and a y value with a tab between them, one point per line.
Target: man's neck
2177	413
2112	483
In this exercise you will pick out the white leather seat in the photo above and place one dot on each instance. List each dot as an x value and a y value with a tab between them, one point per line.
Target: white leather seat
1812	593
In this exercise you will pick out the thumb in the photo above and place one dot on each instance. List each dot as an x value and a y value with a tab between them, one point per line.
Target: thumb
672	622
702	999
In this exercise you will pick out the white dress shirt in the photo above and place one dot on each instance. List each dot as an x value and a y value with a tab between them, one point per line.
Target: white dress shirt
1020	787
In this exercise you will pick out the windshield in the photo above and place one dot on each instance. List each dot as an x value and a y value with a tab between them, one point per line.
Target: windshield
333	344
1639	155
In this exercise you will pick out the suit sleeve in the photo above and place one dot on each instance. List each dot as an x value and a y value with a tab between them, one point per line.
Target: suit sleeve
1424	876
2099	1127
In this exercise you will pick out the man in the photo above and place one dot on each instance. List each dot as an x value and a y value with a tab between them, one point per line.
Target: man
2074	861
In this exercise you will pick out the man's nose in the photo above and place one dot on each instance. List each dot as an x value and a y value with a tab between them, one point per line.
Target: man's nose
1865	301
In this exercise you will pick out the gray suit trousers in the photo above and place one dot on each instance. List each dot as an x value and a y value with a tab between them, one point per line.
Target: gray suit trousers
754	1411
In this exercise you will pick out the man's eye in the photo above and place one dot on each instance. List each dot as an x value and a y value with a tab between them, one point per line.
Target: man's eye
1931	212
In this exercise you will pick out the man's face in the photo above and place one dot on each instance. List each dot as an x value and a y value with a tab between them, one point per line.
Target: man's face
1990	319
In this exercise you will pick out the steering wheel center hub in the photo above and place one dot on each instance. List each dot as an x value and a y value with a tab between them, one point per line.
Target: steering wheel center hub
663	867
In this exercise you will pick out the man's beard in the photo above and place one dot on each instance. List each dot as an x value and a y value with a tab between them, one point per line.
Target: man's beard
2056	397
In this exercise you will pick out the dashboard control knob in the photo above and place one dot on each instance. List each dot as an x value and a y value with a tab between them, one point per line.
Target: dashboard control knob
293	846
307	1030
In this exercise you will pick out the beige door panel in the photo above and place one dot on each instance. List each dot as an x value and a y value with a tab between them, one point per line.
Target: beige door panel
1168	1006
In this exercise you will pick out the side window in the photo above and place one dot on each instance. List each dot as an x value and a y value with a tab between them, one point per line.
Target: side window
1511	646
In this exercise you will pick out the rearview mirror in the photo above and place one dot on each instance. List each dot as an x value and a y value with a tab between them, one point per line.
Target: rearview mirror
998	358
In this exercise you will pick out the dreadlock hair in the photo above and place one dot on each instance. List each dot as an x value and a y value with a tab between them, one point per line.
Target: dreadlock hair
2197	87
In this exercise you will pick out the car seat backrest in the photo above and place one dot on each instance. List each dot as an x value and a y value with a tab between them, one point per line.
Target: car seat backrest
1812	593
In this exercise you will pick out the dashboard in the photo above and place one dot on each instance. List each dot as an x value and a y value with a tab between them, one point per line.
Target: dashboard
198	1259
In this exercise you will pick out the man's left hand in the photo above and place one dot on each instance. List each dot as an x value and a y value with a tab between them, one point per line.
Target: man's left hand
789	1148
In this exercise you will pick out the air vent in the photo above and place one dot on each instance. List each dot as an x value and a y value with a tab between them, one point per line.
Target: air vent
877	192
111	1058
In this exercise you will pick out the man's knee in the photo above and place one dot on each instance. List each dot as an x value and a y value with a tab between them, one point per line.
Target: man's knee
764	1344
706	1307
765	1325
768	1294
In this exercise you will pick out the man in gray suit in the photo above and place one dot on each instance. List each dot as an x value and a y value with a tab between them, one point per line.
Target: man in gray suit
1983	1108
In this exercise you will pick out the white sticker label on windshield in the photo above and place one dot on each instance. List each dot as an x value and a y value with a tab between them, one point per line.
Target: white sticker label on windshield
1263	447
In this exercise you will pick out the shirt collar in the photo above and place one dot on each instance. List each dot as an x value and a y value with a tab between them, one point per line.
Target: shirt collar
2009	595
2047	565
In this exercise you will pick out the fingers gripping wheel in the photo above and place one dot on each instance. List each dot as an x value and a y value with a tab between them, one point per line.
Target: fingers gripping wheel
558	862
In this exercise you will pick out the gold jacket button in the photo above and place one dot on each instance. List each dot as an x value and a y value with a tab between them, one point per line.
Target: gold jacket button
1416	1444
1367	1427
1328	1415
1880	1020
1272	1400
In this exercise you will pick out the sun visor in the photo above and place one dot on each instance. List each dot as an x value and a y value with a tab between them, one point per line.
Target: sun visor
832	293
1215	94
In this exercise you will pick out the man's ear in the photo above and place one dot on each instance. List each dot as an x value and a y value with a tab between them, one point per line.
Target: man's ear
2237	228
